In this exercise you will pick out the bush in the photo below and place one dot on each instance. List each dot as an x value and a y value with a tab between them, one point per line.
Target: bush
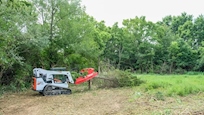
118	78
194	73
127	79
17	78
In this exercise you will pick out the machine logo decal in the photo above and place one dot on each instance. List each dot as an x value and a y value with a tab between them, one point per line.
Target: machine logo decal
40	83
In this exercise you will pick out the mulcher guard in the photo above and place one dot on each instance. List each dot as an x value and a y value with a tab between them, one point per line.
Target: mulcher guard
90	74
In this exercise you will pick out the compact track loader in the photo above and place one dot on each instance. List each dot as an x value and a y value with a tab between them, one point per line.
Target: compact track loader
56	81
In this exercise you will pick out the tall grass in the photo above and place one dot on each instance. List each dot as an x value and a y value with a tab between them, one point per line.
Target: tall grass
171	85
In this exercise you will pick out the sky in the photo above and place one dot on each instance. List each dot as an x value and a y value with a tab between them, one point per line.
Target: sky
112	11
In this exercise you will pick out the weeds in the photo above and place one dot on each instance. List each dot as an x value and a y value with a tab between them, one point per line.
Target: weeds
159	96
171	85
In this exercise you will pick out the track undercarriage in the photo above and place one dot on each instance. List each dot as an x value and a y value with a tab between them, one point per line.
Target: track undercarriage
52	90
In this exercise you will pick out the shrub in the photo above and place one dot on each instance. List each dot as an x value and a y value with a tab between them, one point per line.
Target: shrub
194	73
118	78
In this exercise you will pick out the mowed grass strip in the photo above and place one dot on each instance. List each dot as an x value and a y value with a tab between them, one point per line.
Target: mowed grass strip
171	85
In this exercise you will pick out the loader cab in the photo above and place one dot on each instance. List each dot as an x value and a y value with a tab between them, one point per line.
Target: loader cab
60	78
47	79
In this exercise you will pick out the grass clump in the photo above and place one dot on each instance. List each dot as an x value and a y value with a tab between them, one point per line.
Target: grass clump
159	96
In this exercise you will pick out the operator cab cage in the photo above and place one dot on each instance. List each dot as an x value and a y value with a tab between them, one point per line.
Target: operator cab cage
58	69
49	75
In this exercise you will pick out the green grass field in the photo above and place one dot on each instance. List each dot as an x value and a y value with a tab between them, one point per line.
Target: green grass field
158	95
172	85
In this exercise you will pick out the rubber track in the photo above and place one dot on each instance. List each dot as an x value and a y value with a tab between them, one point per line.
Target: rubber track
48	91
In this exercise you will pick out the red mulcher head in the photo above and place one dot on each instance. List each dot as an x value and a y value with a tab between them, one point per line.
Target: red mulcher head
90	74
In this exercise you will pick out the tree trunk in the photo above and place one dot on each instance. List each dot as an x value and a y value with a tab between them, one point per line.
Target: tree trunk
99	68
89	84
152	65
1	74
119	56
51	34
170	69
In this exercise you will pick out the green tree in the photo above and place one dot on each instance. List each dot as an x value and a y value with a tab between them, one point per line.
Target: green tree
185	31
115	47
200	62
143	36
182	56
15	17
180	20
198	31
164	39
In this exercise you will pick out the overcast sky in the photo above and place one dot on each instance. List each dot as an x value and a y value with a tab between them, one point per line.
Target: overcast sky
112	11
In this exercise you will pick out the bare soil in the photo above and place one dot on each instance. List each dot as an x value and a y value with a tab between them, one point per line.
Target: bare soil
117	101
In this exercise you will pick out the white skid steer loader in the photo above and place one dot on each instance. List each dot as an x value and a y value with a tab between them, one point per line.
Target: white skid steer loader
56	82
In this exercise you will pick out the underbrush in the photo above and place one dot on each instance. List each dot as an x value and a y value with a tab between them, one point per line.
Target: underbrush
172	85
117	78
12	88
153	84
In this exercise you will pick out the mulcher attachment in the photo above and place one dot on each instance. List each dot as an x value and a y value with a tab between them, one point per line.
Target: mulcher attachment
90	74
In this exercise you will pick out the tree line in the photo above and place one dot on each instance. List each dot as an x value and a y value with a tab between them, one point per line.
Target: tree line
53	33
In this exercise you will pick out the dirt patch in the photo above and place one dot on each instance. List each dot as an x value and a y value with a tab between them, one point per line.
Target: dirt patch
118	101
